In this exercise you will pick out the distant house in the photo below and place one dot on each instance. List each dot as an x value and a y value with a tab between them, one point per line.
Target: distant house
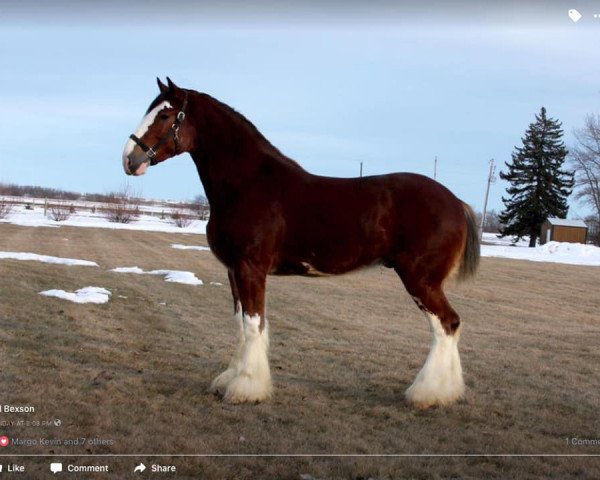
561	230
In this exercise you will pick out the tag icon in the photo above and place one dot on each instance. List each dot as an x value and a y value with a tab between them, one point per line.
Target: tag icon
574	15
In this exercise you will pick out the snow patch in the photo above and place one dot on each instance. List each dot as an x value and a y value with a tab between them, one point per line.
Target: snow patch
137	270
177	276
189	247
83	295
46	259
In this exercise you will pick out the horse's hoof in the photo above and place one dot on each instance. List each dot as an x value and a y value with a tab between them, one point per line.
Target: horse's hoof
421	405
423	398
244	389
220	383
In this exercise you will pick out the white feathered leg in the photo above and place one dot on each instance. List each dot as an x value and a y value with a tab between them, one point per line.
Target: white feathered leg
440	381
252	381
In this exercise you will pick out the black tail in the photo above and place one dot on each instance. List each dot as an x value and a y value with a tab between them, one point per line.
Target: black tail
470	258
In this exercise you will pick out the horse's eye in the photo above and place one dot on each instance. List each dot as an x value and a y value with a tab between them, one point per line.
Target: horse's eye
163	116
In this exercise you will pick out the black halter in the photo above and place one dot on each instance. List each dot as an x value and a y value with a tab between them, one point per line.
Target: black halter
173	132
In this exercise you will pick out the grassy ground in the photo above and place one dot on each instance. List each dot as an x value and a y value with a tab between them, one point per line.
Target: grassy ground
134	371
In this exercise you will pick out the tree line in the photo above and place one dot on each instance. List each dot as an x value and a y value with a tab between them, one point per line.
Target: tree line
13	190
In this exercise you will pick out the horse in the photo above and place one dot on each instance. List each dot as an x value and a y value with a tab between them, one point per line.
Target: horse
269	216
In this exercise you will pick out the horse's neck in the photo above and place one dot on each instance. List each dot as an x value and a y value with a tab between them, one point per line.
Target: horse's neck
230	154
227	179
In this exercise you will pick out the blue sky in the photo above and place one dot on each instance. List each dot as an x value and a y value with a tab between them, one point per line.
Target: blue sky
388	84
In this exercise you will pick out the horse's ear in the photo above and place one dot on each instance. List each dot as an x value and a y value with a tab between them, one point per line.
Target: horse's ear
161	86
172	86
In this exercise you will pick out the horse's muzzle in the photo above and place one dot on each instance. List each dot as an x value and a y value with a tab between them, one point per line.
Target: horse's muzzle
134	163
136	168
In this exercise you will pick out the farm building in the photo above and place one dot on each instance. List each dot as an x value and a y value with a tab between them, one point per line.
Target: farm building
561	230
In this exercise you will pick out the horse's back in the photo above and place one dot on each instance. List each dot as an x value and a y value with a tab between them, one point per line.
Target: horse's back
396	200
335	225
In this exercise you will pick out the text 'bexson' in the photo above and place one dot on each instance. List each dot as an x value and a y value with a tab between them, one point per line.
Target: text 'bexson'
17	409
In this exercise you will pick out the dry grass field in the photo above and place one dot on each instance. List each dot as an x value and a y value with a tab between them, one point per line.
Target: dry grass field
135	371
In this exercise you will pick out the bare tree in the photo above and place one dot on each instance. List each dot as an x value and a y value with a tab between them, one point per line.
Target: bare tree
585	159
124	206
5	208
181	217
492	222
593	225
202	206
59	212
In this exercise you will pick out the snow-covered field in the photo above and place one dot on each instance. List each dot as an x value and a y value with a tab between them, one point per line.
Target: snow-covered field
569	253
36	218
557	252
154	206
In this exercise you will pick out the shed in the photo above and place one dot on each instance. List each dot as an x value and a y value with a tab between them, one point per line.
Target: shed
562	230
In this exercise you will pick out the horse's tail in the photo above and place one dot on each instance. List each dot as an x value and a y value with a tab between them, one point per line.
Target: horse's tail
471	253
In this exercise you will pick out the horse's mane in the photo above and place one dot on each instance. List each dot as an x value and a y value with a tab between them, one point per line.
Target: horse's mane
241	120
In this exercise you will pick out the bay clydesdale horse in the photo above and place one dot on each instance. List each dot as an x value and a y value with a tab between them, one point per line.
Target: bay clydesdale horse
269	216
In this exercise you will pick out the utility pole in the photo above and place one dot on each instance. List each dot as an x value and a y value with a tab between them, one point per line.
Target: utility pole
435	168
491	179
361	169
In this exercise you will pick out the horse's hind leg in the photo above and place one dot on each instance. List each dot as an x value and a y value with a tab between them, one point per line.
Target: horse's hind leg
440	381
220	383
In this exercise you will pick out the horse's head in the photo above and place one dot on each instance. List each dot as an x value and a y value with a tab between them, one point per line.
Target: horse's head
162	133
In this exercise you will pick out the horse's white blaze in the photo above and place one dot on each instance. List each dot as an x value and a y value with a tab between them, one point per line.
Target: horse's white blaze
252	380
440	381
142	129
220	383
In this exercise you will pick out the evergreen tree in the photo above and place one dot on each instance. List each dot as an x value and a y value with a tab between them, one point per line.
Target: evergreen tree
538	186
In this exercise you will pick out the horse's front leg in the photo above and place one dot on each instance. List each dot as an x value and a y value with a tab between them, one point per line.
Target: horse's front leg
252	379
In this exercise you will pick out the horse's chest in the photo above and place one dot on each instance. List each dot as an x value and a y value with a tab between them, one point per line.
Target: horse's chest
229	240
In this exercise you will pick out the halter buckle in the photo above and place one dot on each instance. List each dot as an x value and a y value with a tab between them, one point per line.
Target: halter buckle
181	116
